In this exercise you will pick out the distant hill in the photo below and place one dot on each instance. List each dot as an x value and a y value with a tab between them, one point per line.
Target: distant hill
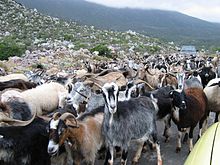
31	30
168	25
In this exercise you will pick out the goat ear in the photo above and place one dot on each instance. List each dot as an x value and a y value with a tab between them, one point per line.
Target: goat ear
69	86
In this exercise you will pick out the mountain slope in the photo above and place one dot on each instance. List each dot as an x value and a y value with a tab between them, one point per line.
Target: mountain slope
168	25
36	31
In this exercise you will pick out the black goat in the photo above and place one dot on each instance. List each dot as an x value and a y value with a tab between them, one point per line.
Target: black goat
17	83
124	121
164	103
24	145
207	74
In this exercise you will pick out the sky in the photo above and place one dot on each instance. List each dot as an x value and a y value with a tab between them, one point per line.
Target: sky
204	9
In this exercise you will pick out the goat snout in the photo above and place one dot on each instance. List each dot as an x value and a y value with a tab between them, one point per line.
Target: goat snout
112	108
180	86
52	148
206	75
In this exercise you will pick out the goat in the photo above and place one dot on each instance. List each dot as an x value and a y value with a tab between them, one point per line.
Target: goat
167	79
189	108
42	99
194	81
81	95
83	135
15	113
151	78
207	74
17	83
212	91
25	145
164	103
13	76
134	119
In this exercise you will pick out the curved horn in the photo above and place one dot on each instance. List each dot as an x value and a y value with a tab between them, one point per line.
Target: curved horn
91	82
56	115
139	81
172	74
66	115
14	122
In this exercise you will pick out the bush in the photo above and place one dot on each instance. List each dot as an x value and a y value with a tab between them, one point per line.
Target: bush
153	49
9	49
68	37
103	50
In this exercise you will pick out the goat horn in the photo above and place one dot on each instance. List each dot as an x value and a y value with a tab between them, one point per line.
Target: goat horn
66	115
92	82
172	74
56	115
14	122
139	81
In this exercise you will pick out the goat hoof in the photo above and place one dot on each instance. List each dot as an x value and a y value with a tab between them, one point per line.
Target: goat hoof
159	162
123	162
178	149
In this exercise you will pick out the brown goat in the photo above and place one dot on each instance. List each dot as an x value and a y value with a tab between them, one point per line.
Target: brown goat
189	108
83	136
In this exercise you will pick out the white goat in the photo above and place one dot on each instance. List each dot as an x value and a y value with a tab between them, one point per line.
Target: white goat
212	91
42	99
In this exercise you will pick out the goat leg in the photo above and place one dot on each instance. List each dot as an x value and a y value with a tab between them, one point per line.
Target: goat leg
191	138
159	159
138	152
157	146
178	148
124	157
109	156
167	122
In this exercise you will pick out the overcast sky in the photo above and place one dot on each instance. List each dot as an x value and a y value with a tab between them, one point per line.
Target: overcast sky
204	9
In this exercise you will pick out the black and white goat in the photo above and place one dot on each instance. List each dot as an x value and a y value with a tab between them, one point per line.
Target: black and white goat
124	121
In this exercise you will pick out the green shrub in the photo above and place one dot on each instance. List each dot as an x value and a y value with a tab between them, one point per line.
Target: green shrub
68	37
153	49
103	50
9	48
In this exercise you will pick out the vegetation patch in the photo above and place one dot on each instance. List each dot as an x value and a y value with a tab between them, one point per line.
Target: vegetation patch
9	47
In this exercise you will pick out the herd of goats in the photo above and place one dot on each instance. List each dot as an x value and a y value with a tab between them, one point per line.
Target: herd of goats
100	109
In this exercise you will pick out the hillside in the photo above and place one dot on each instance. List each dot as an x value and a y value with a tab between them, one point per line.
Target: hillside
168	25
30	25
55	42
